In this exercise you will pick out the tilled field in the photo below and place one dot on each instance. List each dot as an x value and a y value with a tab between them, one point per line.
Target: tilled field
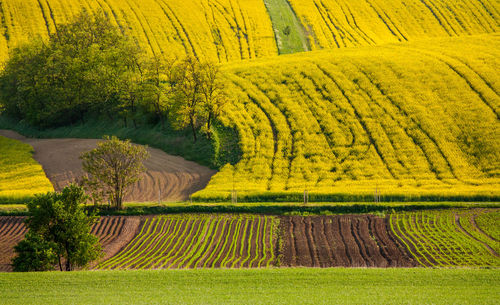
12	230
113	232
410	239
346	240
199	241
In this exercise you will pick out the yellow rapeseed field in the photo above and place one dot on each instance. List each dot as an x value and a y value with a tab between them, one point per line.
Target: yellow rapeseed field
21	176
408	119
228	30
222	30
348	23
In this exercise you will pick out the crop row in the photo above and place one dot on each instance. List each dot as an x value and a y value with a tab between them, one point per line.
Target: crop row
221	30
20	175
344	23
414	120
444	238
199	241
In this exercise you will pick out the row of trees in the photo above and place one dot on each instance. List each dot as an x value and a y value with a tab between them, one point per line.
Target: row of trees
90	68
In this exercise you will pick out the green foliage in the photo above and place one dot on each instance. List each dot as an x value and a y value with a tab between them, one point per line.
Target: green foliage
59	219
34	253
113	167
79	70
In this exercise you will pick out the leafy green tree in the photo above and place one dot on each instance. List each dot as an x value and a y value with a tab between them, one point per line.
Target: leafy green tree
34	254
59	231
79	70
214	98
113	166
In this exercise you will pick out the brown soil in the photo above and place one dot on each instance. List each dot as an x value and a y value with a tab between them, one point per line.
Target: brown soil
12	230
345	240
173	176
114	233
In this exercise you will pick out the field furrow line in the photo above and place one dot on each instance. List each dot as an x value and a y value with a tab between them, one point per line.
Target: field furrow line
177	247
179	226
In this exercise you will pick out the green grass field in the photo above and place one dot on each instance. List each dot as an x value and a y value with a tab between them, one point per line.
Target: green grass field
258	286
288	31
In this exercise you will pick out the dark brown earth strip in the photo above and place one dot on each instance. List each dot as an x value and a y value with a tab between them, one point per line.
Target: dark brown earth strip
370	246
355	230
352	247
345	240
339	250
324	249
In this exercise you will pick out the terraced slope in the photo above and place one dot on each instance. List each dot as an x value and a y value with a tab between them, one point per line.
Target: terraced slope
199	241
414	121
220	30
447	238
20	175
347	23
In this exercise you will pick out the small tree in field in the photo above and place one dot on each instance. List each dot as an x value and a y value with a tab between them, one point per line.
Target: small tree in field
59	233
112	167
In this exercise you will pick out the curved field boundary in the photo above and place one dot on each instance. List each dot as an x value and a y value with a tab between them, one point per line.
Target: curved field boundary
445	238
347	241
113	233
407	119
199	241
171	177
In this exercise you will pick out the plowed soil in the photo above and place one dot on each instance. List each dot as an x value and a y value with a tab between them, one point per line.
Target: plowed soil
198	241
114	234
344	241
172	177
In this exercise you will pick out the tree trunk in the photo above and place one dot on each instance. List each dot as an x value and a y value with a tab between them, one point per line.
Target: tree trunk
60	264
191	122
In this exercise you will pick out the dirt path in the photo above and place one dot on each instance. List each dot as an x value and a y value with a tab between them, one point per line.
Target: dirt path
176	177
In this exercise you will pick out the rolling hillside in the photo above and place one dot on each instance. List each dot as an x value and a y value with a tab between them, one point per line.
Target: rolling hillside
228	30
401	109
346	23
222	30
20	176
410	120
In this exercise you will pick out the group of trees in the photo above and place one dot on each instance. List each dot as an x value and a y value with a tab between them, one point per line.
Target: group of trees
90	68
59	227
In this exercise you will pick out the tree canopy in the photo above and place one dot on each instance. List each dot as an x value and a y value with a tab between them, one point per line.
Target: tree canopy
59	233
89	68
112	168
